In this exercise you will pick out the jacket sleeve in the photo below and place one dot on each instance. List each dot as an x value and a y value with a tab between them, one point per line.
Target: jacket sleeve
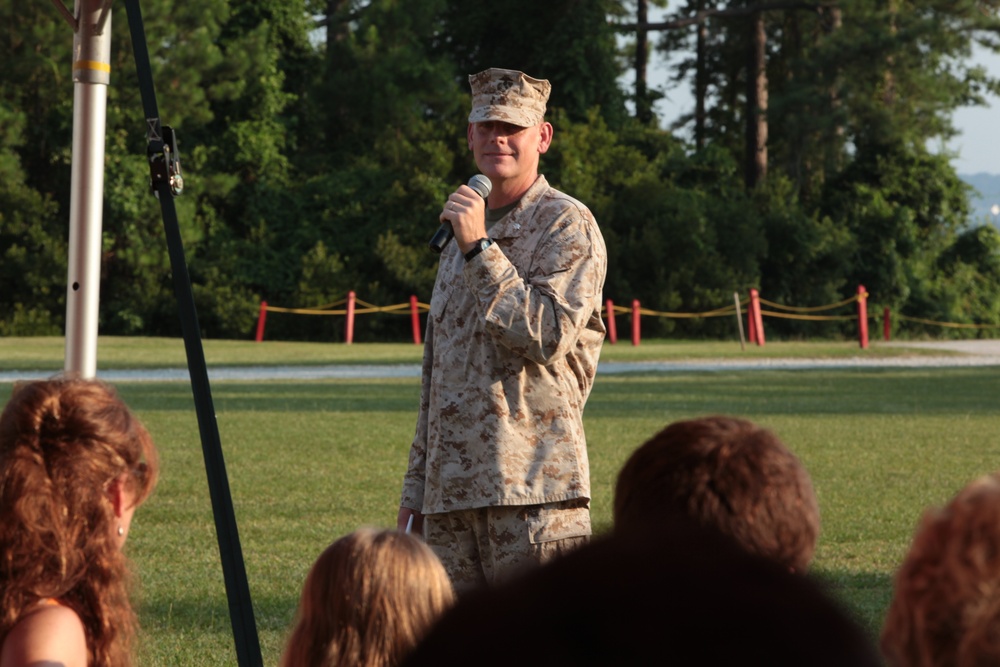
542	315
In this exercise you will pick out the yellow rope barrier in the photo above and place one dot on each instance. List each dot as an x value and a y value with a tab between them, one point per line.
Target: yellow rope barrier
817	318
954	325
405	309
368	308
304	311
812	309
719	312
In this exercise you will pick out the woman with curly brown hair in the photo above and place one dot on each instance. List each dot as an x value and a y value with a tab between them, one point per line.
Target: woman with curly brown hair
74	465
367	601
946	604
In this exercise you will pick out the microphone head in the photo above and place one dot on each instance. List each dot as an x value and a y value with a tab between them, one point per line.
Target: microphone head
481	185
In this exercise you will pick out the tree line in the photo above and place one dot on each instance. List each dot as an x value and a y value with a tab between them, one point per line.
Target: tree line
319	138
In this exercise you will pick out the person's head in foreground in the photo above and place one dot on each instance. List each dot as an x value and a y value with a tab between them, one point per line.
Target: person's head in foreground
367	601
680	595
945	608
727	473
74	465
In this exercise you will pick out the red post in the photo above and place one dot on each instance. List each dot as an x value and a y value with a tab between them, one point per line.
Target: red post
862	317
415	319
260	321
349	338
635	321
751	320
609	315
886	325
758	320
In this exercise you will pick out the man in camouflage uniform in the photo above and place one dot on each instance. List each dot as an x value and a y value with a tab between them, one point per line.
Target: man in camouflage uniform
498	473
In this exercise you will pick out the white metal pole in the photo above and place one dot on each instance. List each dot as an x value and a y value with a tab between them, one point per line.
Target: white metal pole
91	74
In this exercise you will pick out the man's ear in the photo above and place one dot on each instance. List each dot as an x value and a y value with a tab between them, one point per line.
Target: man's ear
545	137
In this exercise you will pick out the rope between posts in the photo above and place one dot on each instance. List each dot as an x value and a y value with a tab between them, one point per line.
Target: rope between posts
788	316
716	312
413	308
810	309
395	309
719	312
953	325
609	310
405	308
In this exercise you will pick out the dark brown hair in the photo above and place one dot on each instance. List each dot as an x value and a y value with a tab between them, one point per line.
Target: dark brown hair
728	474
680	595
945	608
62	443
367	601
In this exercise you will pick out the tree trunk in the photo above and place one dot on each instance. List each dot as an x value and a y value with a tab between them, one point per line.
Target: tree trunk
335	30
834	22
889	78
643	109
700	82
756	105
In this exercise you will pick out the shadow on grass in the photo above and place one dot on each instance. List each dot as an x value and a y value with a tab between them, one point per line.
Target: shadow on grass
864	595
211	613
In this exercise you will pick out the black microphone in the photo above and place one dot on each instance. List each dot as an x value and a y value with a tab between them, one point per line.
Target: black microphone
445	233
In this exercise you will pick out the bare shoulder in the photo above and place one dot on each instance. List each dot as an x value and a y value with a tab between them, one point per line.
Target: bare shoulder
47	636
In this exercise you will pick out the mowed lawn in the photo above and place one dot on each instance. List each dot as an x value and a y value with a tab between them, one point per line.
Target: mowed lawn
310	461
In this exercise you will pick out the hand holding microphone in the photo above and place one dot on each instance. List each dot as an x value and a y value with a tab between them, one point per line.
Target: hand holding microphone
481	186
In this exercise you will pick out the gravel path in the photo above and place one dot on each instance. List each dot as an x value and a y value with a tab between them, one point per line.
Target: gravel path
970	353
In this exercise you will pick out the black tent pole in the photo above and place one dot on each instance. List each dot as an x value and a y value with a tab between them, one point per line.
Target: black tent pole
166	183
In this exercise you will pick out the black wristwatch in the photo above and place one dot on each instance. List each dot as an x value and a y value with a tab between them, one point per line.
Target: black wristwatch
481	245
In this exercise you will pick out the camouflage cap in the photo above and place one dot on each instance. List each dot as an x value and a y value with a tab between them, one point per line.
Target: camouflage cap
509	96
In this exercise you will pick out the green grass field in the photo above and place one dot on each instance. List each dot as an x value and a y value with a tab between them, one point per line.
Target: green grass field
47	353
310	461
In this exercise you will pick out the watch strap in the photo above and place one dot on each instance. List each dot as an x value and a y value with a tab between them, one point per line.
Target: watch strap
481	245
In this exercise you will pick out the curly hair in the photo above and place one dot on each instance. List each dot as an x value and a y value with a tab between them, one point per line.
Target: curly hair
945	608
62	443
367	601
728	474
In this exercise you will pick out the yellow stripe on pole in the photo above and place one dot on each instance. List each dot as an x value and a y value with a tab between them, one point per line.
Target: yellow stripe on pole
92	65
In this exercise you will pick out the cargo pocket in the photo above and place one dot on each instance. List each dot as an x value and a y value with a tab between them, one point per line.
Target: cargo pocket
558	521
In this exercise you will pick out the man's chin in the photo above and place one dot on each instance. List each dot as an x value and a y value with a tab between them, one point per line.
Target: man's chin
496	169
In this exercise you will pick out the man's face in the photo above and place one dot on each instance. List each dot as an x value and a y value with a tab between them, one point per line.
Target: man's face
504	151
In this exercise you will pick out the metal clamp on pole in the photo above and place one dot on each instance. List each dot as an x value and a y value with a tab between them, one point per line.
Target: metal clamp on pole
164	158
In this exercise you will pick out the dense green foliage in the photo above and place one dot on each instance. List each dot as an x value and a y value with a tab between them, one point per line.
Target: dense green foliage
316	159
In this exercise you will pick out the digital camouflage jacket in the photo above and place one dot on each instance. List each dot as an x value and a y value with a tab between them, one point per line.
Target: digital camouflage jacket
511	350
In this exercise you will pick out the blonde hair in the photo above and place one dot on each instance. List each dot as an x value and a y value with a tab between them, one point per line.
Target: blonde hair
946	603
62	443
367	601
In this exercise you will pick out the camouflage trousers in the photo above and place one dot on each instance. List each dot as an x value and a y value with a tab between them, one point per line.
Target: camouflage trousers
487	545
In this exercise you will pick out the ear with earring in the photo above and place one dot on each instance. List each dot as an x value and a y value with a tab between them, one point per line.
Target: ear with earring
121	531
